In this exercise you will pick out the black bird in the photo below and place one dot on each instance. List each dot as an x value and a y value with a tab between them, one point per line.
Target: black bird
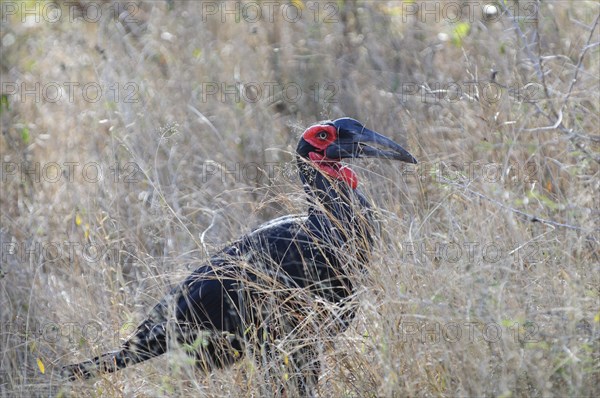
278	288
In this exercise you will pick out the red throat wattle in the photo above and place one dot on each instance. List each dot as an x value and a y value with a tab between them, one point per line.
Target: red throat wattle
334	169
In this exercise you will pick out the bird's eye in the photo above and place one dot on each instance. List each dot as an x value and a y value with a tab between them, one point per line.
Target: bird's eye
322	135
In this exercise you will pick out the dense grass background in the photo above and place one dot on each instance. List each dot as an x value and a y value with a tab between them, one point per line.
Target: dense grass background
486	279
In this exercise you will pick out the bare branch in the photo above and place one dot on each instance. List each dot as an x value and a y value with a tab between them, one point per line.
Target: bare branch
520	213
580	61
523	39
546	128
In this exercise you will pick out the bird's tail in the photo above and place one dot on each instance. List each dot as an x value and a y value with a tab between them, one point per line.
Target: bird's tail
105	363
148	342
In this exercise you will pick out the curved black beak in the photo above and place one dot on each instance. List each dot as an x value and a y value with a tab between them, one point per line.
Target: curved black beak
354	139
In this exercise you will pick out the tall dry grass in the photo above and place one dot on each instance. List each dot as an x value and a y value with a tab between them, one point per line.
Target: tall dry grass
485	279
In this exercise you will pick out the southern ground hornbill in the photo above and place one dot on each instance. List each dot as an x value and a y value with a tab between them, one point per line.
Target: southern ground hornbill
281	290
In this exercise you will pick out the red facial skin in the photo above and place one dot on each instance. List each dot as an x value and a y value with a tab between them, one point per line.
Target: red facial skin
321	136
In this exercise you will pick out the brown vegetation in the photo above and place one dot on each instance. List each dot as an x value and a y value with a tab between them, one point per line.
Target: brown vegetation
486	280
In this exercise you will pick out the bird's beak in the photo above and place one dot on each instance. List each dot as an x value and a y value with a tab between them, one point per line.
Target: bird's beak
357	146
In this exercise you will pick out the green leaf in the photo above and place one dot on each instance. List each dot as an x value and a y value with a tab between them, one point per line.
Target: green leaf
25	137
460	31
4	102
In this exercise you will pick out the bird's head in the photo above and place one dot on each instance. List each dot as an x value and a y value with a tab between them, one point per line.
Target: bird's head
327	143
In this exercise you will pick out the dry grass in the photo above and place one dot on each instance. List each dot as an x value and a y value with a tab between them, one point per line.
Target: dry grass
467	295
